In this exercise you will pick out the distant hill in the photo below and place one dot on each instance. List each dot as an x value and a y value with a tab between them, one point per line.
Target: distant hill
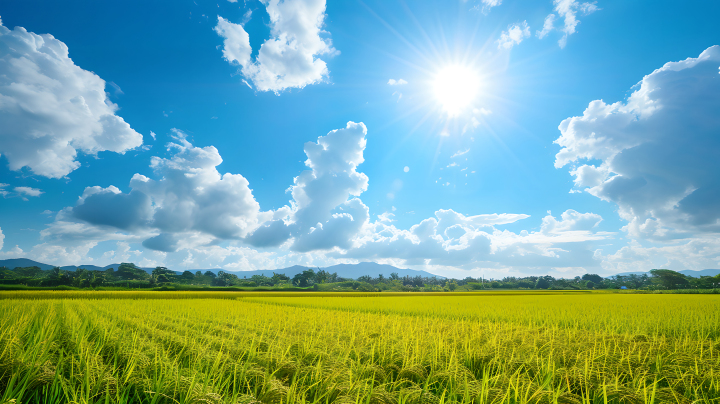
686	272
353	271
24	262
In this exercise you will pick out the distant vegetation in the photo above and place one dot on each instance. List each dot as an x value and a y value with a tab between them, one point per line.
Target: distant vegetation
129	276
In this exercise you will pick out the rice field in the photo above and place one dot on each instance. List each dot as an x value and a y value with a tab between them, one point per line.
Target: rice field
254	348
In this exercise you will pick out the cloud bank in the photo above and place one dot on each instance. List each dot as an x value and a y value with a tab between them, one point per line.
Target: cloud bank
188	211
657	151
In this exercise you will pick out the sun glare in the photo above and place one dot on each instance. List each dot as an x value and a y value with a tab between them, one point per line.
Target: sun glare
455	88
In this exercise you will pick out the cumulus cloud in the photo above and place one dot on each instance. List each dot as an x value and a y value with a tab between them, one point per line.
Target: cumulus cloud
567	10
236	46
514	35
453	239
289	58
571	220
656	152
189	202
325	211
182	214
398	82
50	108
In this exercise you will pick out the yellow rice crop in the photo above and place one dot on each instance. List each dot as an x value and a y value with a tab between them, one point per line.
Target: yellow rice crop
394	350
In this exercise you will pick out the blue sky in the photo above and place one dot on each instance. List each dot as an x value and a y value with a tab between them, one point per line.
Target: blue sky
470	137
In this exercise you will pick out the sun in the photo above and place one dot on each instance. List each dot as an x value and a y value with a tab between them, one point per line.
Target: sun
455	88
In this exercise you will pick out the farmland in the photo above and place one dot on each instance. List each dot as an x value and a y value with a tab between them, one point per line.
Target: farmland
81	347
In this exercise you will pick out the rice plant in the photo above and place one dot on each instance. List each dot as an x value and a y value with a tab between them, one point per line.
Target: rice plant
392	350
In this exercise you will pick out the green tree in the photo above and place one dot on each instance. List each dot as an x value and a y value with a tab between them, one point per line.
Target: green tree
669	279
544	282
594	278
128	271
304	279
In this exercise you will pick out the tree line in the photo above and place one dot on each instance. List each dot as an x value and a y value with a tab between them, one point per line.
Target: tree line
128	275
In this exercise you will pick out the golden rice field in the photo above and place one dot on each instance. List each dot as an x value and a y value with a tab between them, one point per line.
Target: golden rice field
250	348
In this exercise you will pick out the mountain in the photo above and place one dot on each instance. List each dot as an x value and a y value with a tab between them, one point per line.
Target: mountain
353	271
686	272
24	262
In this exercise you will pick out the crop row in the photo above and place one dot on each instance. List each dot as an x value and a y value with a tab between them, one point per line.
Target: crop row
369	350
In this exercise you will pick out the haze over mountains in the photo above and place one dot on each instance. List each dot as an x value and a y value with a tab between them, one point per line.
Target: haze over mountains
353	271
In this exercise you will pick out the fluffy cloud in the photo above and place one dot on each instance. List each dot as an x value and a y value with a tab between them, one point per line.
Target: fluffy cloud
289	59
398	82
567	10
453	239
188	209
322	214
190	203
657	152
513	36
50	108
236	46
698	253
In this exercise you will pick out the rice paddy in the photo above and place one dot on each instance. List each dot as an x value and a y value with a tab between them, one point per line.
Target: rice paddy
253	348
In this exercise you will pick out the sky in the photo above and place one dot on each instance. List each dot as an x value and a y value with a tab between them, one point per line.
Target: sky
471	138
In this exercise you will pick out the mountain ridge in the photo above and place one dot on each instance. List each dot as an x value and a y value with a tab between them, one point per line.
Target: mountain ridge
353	271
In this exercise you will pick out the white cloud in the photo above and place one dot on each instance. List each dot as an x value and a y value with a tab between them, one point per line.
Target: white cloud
325	211
487	5
386	217
657	151
50	108
289	59
189	203
453	239
548	26
394	82
571	220
185	212
567	10
28	191
459	153
513	36
2	236
154	136
236	46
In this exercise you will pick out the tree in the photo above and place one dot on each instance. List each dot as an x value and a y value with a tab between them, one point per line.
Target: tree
394	276
304	279
594	278
210	274
128	271
278	278
544	282
669	279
